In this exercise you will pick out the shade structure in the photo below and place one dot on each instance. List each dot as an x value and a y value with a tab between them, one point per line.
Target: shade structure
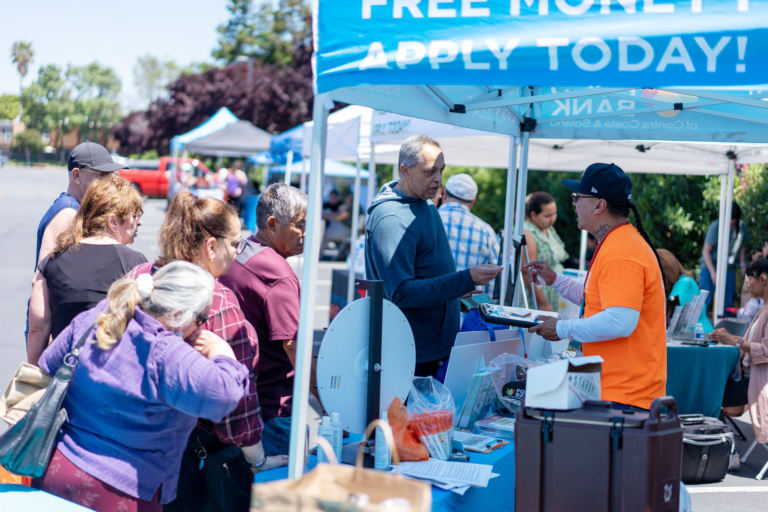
222	118
236	139
332	169
687	71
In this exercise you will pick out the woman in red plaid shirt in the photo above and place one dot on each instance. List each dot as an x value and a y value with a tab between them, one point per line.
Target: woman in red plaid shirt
207	232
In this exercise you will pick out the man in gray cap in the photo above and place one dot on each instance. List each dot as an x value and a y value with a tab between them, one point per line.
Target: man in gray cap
87	161
406	247
473	242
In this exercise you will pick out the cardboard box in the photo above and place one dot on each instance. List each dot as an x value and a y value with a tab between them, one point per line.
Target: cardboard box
564	385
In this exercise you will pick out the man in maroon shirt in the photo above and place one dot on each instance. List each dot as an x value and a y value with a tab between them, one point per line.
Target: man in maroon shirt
269	294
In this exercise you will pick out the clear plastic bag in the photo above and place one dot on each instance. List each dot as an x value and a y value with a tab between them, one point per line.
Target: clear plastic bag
509	381
431	411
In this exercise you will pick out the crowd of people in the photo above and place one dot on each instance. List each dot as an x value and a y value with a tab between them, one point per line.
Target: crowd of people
191	357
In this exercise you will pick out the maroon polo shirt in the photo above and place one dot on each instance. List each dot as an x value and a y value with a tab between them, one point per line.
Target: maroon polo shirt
269	295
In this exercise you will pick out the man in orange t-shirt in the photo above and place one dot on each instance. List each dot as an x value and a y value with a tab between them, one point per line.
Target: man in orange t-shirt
623	317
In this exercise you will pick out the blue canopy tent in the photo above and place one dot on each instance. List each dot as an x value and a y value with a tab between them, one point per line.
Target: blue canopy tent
680	70
221	119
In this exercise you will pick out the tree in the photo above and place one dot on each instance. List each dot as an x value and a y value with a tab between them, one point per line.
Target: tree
22	55
270	96
151	77
47	101
267	34
9	106
95	90
28	141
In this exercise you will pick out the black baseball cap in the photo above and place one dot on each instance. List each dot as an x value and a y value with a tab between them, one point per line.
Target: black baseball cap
603	181
93	156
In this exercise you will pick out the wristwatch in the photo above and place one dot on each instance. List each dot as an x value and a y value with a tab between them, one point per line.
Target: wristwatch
739	342
258	465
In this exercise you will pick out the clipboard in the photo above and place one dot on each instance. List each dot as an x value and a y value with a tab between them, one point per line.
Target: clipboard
516	317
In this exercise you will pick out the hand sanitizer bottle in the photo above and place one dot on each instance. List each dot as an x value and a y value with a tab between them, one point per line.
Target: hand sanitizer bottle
383	458
325	430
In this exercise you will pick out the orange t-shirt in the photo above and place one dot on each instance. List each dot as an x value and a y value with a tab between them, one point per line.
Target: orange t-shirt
625	273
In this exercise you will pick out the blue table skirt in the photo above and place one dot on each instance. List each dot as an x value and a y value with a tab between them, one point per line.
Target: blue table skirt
696	377
499	496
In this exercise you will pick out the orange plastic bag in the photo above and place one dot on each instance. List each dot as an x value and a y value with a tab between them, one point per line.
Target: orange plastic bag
408	445
10	478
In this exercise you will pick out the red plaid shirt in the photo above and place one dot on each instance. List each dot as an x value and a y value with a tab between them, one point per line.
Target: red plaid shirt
242	426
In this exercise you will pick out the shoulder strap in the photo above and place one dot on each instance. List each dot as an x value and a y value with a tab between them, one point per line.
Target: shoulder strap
84	338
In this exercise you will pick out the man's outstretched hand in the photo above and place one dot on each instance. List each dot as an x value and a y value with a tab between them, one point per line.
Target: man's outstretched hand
484	274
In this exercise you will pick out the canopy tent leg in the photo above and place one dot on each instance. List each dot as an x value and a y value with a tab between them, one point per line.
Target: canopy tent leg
509	212
308	292
583	251
522	185
174	168
724	236
353	235
303	182
371	179
288	167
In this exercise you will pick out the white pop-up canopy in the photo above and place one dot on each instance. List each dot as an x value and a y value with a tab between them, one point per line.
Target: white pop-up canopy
681	70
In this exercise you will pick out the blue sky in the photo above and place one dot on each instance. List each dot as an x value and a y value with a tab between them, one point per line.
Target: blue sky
112	33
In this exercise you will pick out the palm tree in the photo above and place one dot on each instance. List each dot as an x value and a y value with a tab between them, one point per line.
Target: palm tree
22	55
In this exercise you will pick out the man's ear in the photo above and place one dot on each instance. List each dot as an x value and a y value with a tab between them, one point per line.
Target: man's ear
404	171
272	223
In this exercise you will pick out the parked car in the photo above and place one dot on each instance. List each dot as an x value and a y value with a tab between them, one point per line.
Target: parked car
152	177
3	159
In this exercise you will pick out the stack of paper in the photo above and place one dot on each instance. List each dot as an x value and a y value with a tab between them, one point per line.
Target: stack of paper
481	395
445	473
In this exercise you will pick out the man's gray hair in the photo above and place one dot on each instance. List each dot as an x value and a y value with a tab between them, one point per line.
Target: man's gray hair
410	151
282	202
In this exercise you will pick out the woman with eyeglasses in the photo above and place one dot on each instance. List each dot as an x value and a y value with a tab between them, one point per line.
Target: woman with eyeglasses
89	256
138	390
206	232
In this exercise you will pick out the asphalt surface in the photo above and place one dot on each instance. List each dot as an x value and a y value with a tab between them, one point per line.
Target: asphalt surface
25	195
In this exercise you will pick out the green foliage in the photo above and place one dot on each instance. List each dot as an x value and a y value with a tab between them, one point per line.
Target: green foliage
146	155
9	106
750	191
47	100
28	141
266	34
22	54
151	76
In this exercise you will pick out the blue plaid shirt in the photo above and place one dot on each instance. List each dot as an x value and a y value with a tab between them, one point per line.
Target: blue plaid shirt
473	242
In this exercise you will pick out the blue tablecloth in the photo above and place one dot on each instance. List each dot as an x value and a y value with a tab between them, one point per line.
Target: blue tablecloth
696	377
499	496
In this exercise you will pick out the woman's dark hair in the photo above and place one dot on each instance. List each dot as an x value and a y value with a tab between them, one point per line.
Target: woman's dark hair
757	268
622	210
535	201
736	215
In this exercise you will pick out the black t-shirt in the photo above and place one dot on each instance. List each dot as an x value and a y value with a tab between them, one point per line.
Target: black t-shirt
79	279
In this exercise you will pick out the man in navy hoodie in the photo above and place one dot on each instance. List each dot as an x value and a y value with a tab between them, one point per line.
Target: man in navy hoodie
407	248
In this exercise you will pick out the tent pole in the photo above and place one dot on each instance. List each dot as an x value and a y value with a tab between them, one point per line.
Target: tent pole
353	235
303	182
288	167
522	185
726	204
371	178
509	212
583	251
174	169
309	287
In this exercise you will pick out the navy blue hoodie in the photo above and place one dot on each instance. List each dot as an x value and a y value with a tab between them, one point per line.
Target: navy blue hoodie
406	247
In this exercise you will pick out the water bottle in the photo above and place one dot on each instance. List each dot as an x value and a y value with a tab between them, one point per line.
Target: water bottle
698	333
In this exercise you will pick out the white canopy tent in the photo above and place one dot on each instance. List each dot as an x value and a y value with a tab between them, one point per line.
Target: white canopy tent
470	55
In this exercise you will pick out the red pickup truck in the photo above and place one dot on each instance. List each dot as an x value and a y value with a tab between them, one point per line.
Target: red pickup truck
151	177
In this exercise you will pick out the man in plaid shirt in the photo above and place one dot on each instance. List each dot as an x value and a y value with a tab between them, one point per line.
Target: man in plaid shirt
473	242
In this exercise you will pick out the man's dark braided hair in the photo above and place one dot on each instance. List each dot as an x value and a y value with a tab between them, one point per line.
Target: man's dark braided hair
620	209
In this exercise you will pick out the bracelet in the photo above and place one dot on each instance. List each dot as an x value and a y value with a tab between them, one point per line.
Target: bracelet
258	465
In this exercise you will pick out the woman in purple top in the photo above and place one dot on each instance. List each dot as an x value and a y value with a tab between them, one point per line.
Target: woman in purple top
139	390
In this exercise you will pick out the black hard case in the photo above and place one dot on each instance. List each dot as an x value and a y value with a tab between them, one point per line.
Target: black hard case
598	459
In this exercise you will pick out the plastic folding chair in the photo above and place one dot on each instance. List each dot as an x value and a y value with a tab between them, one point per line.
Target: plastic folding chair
749	451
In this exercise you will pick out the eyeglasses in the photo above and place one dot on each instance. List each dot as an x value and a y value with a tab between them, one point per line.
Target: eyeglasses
201	319
575	197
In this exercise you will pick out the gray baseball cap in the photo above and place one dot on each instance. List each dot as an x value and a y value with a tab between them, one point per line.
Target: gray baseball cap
93	156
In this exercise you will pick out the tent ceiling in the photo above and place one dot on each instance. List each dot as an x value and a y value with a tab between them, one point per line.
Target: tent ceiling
238	139
221	119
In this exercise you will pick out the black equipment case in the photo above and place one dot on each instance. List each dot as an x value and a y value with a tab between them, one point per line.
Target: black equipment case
707	447
598	459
